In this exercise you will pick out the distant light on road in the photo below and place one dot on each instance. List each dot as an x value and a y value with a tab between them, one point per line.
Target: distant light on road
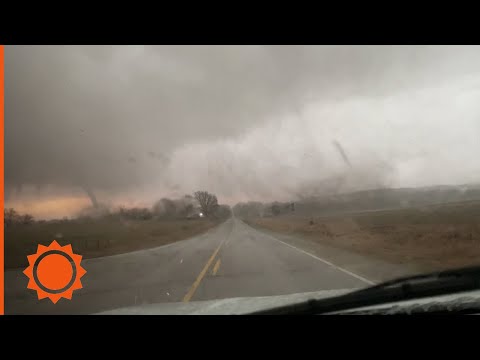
201	214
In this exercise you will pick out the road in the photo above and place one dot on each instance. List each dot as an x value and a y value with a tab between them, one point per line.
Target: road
231	260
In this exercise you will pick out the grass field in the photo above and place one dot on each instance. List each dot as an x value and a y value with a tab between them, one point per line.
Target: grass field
432	237
93	238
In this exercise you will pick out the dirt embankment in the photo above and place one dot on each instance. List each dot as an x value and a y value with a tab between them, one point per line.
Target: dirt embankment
434	238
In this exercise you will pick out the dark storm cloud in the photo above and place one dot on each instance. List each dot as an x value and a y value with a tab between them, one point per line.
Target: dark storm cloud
109	118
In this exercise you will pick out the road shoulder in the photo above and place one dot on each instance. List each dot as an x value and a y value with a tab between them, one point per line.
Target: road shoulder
375	270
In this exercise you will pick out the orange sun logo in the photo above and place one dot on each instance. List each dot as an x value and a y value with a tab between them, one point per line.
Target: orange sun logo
54	271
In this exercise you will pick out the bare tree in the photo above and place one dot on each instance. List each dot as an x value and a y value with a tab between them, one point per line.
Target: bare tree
223	212
12	217
276	210
27	219
208	202
175	208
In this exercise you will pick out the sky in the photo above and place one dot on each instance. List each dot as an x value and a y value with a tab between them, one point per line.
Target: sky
132	124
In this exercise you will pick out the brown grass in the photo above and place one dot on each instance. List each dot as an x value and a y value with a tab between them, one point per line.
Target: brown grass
435	238
93	238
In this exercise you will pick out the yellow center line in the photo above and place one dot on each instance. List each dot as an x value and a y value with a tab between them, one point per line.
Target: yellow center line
197	282
215	268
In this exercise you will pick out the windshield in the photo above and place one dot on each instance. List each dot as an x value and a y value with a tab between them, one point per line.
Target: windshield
173	175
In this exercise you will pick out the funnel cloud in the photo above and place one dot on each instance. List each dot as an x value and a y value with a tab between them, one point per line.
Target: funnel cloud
139	123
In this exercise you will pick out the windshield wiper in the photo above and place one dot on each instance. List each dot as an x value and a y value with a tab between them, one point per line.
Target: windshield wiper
401	289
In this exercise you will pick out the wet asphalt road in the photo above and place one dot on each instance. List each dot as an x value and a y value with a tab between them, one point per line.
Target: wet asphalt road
231	260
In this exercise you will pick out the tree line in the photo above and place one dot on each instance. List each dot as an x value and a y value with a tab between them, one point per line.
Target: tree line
254	209
12	218
201	204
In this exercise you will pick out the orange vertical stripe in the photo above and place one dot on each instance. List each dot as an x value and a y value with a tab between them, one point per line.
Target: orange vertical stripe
2	242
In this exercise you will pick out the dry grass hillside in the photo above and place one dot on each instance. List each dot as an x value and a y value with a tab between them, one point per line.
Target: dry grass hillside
433	237
93	238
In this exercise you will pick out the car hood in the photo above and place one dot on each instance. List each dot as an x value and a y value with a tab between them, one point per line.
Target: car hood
244	305
231	306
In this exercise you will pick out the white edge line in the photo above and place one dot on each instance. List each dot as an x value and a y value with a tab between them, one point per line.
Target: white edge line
323	260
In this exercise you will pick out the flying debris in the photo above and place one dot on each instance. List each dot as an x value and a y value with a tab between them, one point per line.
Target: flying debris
340	149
